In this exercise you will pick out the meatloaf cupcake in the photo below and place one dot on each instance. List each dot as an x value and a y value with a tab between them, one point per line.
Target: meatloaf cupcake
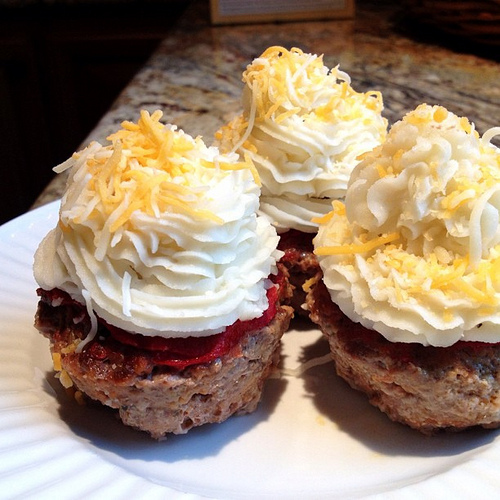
304	127
159	288
410	293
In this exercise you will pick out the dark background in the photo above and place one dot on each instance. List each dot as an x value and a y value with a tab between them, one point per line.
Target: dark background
61	67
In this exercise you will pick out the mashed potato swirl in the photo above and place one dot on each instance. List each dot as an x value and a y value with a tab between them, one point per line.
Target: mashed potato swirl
304	127
158	234
414	253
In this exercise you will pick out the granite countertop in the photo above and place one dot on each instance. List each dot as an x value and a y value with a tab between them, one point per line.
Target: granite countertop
195	74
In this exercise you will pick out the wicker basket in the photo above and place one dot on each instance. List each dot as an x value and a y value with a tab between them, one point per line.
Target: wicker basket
476	21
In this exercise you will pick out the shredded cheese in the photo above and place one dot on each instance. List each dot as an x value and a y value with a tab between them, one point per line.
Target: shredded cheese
56	361
354	248
147	168
475	293
93	322
476	249
285	83
304	367
80	398
126	299
308	284
65	379
338	208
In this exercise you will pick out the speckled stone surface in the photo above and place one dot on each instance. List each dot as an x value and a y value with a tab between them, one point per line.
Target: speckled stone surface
195	75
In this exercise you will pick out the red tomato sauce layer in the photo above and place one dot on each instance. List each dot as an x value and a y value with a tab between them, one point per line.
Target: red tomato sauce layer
174	352
182	352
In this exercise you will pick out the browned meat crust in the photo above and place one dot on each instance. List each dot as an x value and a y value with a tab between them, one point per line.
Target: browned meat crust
155	398
426	388
301	264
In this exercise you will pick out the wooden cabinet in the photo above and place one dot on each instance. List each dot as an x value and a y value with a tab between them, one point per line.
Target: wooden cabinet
61	67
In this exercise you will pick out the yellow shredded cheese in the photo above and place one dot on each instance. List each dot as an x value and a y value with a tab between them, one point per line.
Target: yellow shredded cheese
56	361
65	379
308	284
354	248
80	398
440	114
338	209
148	169
277	81
475	293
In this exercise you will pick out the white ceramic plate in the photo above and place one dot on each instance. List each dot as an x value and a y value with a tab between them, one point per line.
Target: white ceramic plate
311	438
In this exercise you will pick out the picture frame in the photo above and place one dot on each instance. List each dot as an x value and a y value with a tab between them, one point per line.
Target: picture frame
262	11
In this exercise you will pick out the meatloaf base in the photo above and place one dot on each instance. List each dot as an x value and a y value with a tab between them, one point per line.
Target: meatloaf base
154	398
428	388
301	264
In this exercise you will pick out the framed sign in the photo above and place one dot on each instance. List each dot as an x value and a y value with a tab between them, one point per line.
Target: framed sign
260	11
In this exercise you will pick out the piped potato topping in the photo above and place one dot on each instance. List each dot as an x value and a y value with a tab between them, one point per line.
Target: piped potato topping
414	251
159	235
304	127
